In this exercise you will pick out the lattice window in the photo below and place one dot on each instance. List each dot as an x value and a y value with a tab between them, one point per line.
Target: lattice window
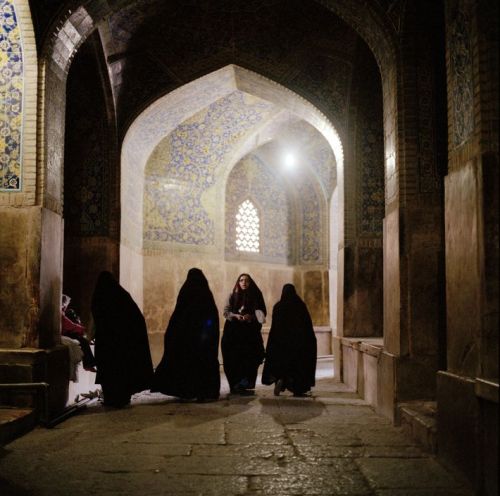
247	228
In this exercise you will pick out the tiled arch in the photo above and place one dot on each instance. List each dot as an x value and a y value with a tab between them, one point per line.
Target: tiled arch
160	119
73	26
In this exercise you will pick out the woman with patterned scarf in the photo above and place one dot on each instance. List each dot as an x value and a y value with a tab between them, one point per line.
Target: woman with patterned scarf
242	344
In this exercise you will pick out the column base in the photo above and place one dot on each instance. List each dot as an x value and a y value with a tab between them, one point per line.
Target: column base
35	378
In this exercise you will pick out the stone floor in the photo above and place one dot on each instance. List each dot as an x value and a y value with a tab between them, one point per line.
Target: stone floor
330	444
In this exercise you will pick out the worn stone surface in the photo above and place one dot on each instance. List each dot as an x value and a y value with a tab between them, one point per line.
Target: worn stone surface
19	273
51	253
463	278
331	443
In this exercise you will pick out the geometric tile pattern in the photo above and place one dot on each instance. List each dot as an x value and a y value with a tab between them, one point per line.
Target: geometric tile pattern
326	80
87	185
185	39
88	146
461	64
322	161
371	202
313	145
311	236
11	98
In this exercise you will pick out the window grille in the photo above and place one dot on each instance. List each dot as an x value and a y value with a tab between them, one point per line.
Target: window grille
247	228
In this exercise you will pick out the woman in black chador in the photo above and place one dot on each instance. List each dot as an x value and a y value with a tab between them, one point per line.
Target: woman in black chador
189	368
121	343
291	347
242	345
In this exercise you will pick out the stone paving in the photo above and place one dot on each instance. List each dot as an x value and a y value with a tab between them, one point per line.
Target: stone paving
330	444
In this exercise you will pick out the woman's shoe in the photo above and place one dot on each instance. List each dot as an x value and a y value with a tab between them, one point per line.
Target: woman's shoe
278	387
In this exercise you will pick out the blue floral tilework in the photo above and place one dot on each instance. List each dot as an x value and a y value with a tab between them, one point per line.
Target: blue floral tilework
174	213
310	251
11	86
186	164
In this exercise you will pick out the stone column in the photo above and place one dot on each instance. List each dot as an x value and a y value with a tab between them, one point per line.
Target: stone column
30	250
413	226
468	387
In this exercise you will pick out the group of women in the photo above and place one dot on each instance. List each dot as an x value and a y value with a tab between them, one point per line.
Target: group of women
189	368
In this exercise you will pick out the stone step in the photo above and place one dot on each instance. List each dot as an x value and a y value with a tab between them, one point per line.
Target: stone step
418	419
14	422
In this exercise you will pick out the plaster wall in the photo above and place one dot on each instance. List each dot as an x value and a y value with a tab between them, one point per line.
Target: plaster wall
164	275
131	267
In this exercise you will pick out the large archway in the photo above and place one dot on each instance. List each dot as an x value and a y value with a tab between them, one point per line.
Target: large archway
118	67
184	152
331	97
424	75
78	23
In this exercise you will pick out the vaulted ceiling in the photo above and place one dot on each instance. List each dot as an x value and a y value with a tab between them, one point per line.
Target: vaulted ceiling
164	65
151	47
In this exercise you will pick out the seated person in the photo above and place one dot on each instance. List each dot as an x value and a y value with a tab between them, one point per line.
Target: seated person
72	327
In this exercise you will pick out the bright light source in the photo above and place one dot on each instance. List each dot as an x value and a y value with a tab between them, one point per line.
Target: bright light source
290	160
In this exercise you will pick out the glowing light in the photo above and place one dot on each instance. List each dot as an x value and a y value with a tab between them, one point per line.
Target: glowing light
290	160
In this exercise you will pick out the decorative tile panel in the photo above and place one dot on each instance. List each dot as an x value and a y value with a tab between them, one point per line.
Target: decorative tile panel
370	151
460	52
325	80
186	164
311	236
174	213
88	151
252	179
318	153
11	98
162	45
428	167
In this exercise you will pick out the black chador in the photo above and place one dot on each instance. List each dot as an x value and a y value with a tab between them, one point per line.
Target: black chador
189	368
124	365
242	345
291	347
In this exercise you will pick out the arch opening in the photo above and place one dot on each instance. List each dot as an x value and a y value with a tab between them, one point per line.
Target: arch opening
195	155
